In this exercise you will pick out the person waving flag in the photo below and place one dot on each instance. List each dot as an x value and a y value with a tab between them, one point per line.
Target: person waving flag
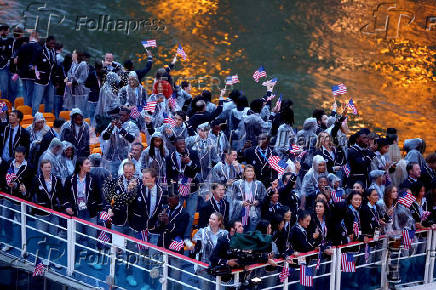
149	43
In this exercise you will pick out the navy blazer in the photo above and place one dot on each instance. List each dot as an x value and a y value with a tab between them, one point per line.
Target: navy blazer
176	227
22	138
93	196
53	199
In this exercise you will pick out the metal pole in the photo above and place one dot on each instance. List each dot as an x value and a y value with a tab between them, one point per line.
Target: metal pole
432	257
384	264
333	270
23	229
218	282
71	238
338	270
113	262
286	282
427	278
165	272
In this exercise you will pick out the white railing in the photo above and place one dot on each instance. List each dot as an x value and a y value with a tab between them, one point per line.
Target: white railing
171	268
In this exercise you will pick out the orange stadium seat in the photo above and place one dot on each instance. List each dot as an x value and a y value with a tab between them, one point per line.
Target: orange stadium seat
26	110
65	115
18	102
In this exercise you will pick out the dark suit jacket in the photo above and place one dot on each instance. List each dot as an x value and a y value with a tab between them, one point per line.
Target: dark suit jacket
178	221
24	176
369	220
139	218
263	170
53	199
22	138
93	197
209	208
300	241
189	171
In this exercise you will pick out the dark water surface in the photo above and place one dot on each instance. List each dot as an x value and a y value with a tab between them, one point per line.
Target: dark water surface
384	51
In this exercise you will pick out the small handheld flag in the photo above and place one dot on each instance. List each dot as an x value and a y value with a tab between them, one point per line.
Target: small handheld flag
185	186
277	164
408	236
135	112
306	276
103	237
150	106
181	52
279	102
337	195
176	244
10	176
235	79
346	169
352	107
270	82
339	89
229	81
294	149
245	215
347	262
356	229
39	270
3	107
149	43
104	216
406	199
144	238
168	120
367	252
284	273
259	74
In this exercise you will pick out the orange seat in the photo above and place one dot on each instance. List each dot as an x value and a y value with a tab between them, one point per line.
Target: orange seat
49	117
27	119
196	216
41	108
26	125
18	102
50	124
65	115
88	120
8	103
26	110
96	150
193	233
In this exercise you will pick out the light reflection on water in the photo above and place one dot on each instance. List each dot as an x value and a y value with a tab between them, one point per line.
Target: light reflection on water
388	67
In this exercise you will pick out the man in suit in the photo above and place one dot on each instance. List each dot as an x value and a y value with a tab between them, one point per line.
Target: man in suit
220	254
12	136
216	203
144	210
22	171
359	159
414	173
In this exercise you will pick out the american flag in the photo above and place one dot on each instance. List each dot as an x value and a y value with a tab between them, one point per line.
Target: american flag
302	154
245	215
277	164
318	261
149	43
271	97
172	102
306	276
135	112
259	74
10	175
406	199
425	215
181	52
279	102
168	120
104	237
346	169
104	216
284	273
408	236
229	81
294	149
352	107
3	107
150	106
356	228
144	238
235	79
339	89
176	244
347	262
367	252
337	195
270	82
39	270
185	186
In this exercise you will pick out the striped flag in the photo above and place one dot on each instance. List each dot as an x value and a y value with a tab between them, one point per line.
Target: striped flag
150	106
229	81
277	164
181	52
425	215
172	102
168	120
318	261
270	82
339	89
103	237
406	199
306	276
176	244
279	102
39	270
3	107
284	273
259	74
337	195
346	169
10	175
245	215
302	154
408	236
235	79
135	112
185	186
367	252
347	262
356	229
271	97
149	43
294	149
104	216
144	238
352	107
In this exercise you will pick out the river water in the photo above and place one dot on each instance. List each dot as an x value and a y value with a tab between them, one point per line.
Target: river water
383	51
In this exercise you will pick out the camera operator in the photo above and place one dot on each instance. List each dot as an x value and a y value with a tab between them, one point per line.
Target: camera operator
220	254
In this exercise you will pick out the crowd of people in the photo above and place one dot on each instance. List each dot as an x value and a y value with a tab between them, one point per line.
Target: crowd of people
329	188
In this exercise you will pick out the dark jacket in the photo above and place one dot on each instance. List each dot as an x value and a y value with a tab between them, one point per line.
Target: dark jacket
94	83
300	240
262	168
81	141
209	208
24	176
173	171
119	199
220	253
139	217
45	61
288	197
6	48
369	220
339	159
22	138
359	161
27	55
201	117
53	199
178	220
93	197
